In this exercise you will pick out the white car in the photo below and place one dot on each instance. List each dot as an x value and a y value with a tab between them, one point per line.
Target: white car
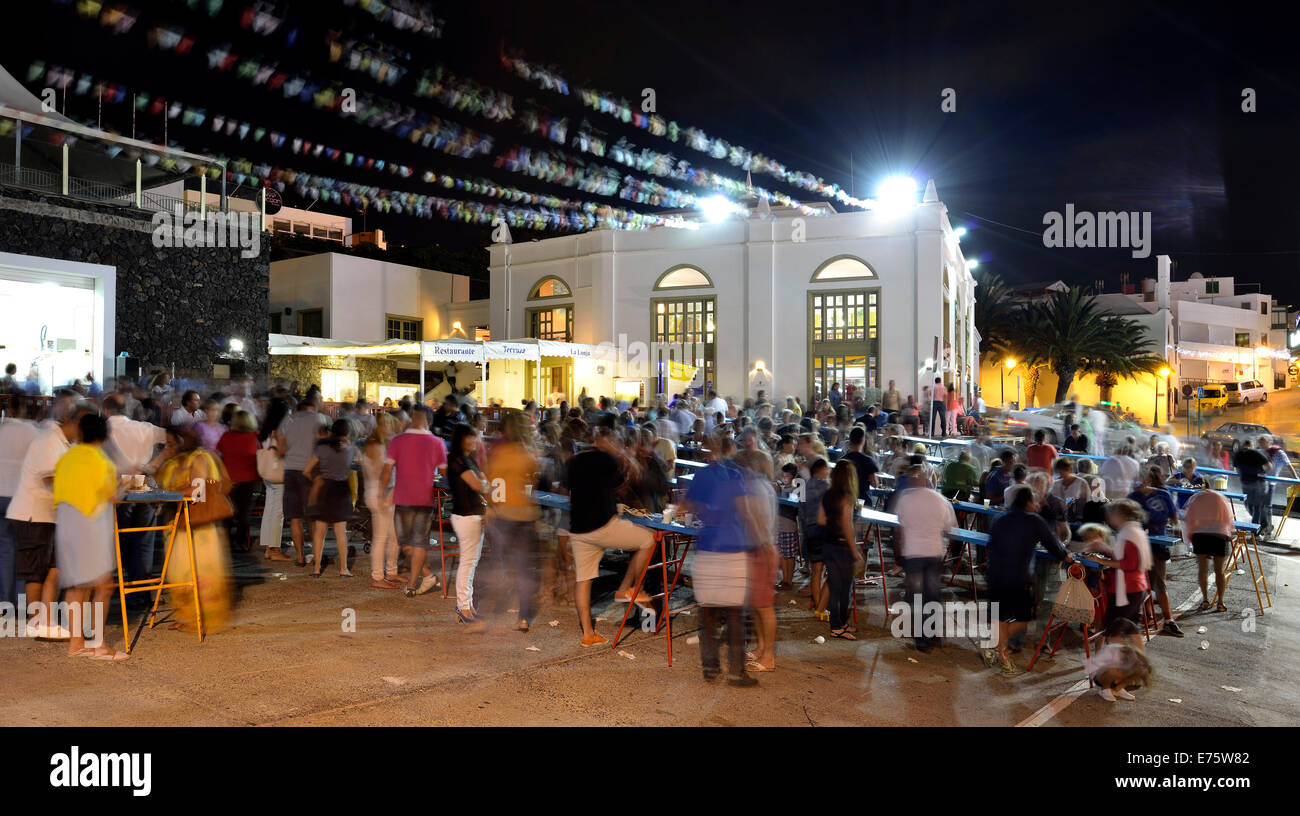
1051	419
1244	392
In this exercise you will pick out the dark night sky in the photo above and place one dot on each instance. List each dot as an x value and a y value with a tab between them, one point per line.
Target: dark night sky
1111	106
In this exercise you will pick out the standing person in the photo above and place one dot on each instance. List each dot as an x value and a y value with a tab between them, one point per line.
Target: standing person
910	417
891	401
417	456
448	417
760	503
33	515
937	415
1208	522
297	438
1040	455
185	463
330	502
271	533
85	486
379	501
131	445
952	410
238	449
1013	539
835	397
1120	471
16	436
1097	421
862	463
720	575
210	427
1251	467
924	519
815	485
840	551
468	507
1279	465
512	469
1128	578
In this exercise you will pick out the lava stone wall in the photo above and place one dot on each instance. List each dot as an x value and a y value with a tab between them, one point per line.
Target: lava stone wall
175	306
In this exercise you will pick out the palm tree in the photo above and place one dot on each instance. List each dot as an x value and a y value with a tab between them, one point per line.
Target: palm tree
1126	354
1069	335
994	311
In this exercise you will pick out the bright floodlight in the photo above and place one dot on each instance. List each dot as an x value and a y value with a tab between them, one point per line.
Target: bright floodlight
236	345
715	207
896	193
972	263
1164	372
960	232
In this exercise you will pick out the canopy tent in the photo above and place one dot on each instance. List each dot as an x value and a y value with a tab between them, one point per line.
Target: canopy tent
526	368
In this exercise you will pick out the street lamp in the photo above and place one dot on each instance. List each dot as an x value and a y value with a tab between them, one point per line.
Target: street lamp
1002	383
1155	414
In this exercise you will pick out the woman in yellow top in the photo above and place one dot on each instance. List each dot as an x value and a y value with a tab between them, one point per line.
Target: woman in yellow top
512	545
85	485
186	462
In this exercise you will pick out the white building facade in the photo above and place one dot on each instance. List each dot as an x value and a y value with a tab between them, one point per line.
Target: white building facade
781	302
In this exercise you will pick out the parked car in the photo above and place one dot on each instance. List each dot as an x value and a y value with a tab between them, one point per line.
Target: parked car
1232	434
1215	399
1244	392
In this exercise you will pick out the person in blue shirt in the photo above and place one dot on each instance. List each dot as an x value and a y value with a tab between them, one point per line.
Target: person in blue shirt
1160	508
720	575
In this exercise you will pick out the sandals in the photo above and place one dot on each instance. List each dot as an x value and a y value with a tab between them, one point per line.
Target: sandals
843	634
111	656
755	666
522	626
1205	605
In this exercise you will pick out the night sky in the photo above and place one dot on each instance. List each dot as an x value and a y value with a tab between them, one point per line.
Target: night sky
1109	106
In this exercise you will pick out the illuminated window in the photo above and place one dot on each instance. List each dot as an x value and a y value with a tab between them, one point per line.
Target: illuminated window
551	323
843	268
405	328
683	277
844	340
550	287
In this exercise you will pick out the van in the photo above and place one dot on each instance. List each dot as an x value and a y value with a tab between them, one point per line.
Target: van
1243	392
1215	399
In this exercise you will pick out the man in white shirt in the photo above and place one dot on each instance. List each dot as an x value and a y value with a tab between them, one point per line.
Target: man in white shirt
715	405
241	394
924	518
33	515
131	446
1119	472
187	413
16	436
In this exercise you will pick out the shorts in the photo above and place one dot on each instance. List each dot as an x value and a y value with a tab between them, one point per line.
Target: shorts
297	491
787	544
1209	544
1156	577
413	523
1015	602
617	534
35	556
1131	612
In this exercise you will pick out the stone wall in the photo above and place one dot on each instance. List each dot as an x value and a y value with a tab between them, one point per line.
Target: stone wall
306	370
175	306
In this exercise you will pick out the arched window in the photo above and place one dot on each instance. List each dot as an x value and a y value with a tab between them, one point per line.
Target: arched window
844	267
683	277
550	287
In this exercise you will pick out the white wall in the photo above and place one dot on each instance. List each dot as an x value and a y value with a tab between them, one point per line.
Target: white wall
103	308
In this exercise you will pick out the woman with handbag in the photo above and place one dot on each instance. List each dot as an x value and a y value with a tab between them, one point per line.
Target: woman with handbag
330	500
196	473
1160	510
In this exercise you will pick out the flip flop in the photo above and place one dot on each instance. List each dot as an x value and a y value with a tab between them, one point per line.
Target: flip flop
115	656
84	652
755	666
844	634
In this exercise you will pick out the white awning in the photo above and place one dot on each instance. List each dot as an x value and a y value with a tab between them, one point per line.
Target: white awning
555	348
511	350
448	351
289	344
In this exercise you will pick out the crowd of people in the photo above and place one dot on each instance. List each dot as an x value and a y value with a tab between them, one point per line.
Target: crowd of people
389	469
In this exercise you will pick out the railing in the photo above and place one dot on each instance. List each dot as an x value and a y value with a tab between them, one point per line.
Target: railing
45	181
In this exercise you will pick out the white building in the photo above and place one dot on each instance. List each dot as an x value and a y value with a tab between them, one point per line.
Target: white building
357	300
1222	332
783	302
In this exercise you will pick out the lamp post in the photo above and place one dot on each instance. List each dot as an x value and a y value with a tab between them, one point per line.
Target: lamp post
1155	415
1002	383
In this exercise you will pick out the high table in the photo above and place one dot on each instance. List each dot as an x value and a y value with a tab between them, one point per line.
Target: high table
667	535
125	587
